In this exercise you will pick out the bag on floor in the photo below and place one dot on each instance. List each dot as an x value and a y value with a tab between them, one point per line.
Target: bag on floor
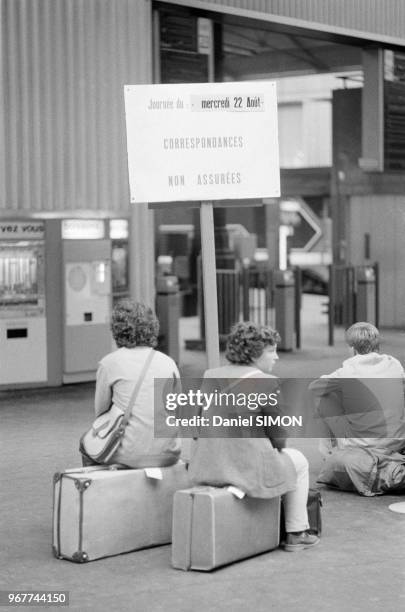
314	505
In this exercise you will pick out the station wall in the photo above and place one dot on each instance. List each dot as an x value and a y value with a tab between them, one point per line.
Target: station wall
63	67
368	16
383	218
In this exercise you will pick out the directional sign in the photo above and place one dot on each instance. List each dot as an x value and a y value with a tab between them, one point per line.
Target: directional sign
307	229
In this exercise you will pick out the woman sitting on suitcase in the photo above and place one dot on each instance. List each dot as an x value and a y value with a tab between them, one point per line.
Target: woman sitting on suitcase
255	463
135	331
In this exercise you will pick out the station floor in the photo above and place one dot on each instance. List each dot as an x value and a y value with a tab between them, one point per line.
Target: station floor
359	564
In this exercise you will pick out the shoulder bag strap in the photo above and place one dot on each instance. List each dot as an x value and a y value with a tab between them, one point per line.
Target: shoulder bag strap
237	382
136	388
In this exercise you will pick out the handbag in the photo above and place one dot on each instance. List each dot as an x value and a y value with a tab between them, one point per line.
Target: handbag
101	441
314	505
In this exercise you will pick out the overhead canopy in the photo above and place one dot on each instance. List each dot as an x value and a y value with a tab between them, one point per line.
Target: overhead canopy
253	51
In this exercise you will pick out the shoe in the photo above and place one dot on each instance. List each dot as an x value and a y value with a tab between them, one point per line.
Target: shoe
299	541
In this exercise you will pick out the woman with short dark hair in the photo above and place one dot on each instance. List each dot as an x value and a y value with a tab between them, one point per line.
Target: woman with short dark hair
135	330
247	341
134	324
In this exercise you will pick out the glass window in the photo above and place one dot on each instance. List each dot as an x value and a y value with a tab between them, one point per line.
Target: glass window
290	134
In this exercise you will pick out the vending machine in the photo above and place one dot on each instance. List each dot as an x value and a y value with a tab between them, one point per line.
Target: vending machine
23	328
86	261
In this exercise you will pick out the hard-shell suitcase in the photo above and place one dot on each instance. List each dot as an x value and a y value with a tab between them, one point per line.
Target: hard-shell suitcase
212	527
99	512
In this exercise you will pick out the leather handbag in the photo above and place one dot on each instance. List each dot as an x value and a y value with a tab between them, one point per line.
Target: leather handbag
101	441
314	506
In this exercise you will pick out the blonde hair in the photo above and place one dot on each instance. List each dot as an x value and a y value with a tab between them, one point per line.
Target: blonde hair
363	338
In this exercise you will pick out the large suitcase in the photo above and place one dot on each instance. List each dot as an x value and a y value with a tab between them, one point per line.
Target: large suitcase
212	527
99	512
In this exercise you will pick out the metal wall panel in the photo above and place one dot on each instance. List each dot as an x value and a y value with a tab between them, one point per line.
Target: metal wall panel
383	17
381	216
63	65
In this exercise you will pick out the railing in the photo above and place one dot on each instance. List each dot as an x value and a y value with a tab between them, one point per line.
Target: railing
248	294
229	299
258	296
353	295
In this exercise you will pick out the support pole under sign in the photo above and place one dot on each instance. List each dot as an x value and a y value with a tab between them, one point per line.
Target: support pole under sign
209	283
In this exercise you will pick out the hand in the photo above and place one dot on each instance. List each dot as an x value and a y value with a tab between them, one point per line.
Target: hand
278	443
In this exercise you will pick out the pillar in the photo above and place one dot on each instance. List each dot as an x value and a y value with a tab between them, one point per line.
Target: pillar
142	253
372	158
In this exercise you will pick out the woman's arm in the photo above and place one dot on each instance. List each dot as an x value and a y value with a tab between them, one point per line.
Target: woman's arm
276	433
103	396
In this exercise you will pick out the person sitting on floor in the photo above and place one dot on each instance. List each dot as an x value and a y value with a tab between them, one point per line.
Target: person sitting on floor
259	466
362	407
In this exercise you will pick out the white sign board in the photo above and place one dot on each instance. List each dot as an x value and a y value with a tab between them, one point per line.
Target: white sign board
79	229
202	141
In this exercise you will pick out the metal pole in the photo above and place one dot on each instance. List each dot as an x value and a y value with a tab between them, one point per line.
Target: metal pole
331	310
245	293
209	283
377	293
200	298
353	293
298	293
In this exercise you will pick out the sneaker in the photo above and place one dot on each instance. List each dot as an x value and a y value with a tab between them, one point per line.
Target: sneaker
299	541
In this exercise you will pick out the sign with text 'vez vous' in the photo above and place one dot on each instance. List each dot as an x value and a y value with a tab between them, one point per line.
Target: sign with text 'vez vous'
202	141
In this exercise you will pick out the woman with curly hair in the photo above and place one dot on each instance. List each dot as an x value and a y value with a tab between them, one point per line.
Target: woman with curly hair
257	462
135	330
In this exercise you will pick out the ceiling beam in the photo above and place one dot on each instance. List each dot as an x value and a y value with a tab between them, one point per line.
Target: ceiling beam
309	54
332	58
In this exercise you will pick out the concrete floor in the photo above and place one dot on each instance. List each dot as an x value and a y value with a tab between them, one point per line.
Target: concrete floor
359	565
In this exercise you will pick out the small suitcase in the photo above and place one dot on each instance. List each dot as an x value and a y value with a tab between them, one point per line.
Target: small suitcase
212	527
100	512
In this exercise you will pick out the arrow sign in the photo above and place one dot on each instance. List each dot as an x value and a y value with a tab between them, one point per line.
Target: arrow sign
297	213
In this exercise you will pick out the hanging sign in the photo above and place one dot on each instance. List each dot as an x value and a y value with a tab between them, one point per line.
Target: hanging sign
202	141
22	229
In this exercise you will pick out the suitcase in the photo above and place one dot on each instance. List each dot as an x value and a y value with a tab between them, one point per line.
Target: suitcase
100	512
212	527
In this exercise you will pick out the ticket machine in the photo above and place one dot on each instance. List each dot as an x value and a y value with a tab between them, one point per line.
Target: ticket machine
23	337
58	280
86	261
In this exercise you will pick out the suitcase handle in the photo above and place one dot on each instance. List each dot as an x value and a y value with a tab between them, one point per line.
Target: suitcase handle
94	468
